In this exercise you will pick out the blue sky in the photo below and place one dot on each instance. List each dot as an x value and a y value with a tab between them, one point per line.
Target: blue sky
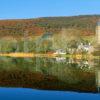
14	9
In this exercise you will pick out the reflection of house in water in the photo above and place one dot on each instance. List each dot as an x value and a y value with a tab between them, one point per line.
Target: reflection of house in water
88	64
82	63
60	59
71	60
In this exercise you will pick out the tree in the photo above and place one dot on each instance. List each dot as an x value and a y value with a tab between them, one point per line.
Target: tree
66	38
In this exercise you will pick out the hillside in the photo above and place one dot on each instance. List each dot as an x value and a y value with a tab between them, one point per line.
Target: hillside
47	34
39	26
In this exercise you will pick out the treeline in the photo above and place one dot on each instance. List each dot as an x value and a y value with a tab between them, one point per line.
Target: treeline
85	23
19	28
39	26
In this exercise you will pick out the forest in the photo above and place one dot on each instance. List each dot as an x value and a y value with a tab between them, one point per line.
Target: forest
44	34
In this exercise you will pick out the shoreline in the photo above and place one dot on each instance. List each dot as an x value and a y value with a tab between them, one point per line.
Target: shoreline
30	55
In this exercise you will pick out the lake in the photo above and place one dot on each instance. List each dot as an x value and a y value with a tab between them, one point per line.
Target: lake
49	78
31	94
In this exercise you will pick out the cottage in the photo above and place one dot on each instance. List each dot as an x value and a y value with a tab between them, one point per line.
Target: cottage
60	51
85	47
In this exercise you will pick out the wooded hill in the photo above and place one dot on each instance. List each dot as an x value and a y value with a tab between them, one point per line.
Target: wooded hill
38	26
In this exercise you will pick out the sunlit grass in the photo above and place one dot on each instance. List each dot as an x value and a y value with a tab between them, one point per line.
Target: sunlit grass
22	55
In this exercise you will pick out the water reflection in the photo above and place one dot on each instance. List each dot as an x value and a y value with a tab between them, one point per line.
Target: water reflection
60	59
80	63
57	73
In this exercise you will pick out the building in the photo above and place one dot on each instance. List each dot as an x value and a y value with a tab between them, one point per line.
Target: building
60	51
85	47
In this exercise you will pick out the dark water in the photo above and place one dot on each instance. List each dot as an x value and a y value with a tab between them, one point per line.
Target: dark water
55	78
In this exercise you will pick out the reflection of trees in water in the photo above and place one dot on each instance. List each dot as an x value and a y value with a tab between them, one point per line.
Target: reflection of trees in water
67	72
45	64
97	64
79	63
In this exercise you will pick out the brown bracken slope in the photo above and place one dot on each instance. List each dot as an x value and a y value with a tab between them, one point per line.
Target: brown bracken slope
39	26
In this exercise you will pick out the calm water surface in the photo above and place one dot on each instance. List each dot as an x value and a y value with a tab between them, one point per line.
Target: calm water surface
57	78
31	94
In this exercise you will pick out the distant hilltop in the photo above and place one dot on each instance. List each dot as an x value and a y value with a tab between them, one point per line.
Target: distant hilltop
16	28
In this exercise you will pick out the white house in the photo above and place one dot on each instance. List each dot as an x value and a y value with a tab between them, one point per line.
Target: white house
87	47
60	51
